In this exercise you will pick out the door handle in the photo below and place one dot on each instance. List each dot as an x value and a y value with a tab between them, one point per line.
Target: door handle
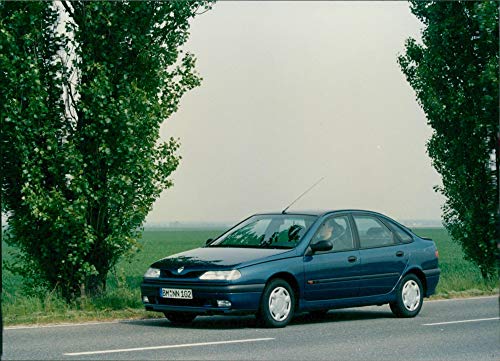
352	259
400	253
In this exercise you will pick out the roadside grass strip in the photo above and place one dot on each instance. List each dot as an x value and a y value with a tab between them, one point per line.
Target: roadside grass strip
77	324
168	347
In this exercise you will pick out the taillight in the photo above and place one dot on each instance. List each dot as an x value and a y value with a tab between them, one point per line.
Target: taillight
436	253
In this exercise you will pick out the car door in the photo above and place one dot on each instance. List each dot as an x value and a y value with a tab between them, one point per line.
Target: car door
382	257
333	274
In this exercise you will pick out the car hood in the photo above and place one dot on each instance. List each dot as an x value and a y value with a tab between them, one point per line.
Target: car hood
213	258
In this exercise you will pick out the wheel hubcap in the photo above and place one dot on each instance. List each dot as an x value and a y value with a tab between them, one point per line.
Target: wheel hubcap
411	295
280	303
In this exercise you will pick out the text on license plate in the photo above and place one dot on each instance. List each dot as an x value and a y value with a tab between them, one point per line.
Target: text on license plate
176	293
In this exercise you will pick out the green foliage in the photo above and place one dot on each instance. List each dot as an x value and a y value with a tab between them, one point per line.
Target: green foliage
454	73
83	100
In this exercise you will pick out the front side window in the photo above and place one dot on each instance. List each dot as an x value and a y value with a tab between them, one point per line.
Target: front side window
336	230
267	231
372	232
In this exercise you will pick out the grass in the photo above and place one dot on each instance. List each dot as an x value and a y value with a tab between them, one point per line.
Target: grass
459	278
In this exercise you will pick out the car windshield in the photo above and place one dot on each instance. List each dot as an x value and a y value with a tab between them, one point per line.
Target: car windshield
267	231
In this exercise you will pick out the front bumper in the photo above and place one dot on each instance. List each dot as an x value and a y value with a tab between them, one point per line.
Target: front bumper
244	298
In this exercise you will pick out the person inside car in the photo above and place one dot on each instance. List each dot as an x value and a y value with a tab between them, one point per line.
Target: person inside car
331	231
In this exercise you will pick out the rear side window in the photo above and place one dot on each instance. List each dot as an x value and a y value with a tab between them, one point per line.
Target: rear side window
372	232
402	234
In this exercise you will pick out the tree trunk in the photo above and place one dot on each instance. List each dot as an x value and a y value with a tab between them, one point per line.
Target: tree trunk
96	284
497	223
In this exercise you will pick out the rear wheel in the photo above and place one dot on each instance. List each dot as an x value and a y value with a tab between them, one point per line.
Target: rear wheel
277	304
409	297
180	318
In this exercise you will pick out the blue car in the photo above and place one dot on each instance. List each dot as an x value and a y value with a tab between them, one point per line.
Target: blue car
274	265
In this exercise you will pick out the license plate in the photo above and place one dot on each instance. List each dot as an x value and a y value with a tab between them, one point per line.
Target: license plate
176	293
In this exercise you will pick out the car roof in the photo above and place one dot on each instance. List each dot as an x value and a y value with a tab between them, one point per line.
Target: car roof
321	212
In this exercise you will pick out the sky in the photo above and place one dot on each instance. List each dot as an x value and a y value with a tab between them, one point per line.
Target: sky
293	92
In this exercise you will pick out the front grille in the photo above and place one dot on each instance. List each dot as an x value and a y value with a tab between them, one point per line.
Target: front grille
169	274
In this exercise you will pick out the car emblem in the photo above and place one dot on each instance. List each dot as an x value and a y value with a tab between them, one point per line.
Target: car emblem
180	269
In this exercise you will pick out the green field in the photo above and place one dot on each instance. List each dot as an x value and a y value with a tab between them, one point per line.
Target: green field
122	299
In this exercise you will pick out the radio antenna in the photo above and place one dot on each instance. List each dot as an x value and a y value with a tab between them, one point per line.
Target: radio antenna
311	187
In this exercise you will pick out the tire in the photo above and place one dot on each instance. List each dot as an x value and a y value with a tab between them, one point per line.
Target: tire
277	304
410	297
180	318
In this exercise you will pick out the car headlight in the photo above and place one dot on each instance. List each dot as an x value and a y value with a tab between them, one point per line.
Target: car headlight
221	275
152	273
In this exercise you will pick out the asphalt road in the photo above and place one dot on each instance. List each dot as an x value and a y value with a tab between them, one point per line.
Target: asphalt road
466	329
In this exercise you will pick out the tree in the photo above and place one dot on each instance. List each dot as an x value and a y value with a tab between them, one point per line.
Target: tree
86	86
454	72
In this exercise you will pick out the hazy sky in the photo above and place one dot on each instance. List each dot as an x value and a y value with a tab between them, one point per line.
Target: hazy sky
296	91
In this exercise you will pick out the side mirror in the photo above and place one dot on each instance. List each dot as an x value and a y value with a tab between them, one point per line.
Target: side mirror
210	240
321	246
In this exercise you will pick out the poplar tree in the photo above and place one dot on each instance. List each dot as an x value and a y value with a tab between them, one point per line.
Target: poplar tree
454	72
85	87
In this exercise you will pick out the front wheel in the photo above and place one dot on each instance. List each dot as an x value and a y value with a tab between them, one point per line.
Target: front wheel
409	297
180	318
277	304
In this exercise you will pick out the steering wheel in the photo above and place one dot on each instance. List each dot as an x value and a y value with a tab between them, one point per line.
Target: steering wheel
294	232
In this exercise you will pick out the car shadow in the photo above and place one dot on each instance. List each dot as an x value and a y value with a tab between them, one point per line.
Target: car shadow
335	316
203	322
241	322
